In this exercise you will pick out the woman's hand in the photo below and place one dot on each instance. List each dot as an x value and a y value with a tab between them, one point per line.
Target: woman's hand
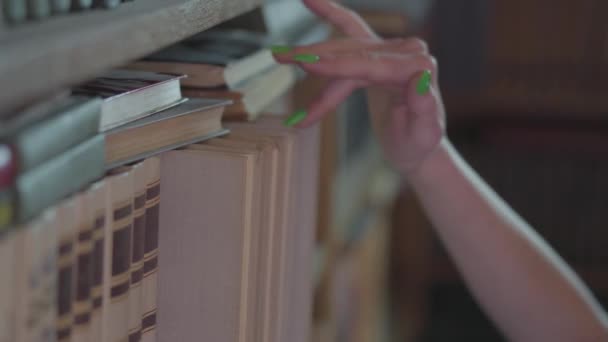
412	124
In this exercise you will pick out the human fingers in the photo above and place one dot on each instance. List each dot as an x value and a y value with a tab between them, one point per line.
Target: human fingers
371	66
345	19
330	98
286	54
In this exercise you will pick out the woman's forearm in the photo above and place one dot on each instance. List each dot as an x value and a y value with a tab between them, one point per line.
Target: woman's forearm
516	277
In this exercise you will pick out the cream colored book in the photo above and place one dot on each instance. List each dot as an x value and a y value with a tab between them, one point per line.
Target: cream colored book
66	258
117	252
11	262
96	210
82	306
137	251
151	250
206	238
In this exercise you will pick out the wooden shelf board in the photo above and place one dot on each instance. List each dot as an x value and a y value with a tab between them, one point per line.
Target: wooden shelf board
39	58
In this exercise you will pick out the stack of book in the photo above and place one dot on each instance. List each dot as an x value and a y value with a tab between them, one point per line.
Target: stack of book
55	148
228	64
86	269
18	11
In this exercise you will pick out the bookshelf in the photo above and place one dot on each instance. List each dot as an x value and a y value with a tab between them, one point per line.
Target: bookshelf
65	50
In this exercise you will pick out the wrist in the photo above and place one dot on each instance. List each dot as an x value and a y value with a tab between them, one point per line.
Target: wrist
436	162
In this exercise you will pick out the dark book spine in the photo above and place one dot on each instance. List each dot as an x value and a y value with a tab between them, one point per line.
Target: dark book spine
65	289
84	277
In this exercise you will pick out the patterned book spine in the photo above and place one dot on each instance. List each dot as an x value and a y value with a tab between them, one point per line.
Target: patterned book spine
96	210
137	253
118	249
150	280
65	269
84	246
37	299
11	257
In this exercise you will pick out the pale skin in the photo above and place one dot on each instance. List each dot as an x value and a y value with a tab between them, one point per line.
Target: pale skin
521	283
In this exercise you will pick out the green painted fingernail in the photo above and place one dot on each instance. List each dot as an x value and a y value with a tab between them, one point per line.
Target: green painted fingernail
295	118
306	58
278	49
424	83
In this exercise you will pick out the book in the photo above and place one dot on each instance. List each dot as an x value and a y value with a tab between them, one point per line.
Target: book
65	174
83	267
213	59
117	255
137	251
296	296
267	230
186	123
95	211
151	250
7	209
40	287
45	130
214	222
15	11
131	94
11	258
66	268
252	97
38	9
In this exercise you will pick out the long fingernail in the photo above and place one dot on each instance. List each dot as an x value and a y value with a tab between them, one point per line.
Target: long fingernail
295	118
424	83
279	49
306	58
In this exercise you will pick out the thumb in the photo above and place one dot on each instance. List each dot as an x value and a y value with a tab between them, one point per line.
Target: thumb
425	117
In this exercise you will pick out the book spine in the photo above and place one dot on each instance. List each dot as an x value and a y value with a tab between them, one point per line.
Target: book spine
10	256
106	3
150	280
45	304
118	261
15	11
38	9
137	253
65	268
96	210
6	209
83	267
49	138
59	177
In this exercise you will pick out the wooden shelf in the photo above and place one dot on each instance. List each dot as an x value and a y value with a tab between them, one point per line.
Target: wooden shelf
38	58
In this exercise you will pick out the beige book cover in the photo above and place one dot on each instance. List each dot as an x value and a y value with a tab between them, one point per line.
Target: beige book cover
11	263
81	327
296	292
205	239
66	258
268	231
152	171
285	140
38	300
137	251
117	252
95	207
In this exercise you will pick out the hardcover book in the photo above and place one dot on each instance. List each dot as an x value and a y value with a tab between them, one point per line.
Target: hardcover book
117	255
132	94
95	210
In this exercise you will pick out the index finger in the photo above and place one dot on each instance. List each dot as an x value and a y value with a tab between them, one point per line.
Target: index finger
347	21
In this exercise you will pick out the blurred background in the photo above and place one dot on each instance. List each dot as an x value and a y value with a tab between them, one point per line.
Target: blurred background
524	82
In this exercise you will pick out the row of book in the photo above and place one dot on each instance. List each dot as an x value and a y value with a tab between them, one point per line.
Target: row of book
231	247
86	269
18	11
59	146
